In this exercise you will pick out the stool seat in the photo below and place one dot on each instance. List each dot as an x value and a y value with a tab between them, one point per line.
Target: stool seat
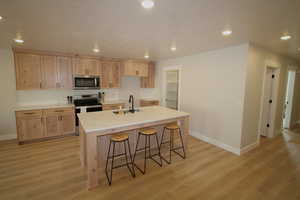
148	131
172	126
119	137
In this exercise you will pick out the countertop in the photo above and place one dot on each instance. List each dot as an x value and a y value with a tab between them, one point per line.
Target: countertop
101	121
42	106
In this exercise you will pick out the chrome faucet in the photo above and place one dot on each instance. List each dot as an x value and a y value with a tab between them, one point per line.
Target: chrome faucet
131	100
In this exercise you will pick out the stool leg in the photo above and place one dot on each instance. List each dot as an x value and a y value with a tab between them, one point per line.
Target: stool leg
161	142
171	145
145	160
112	163
136	148
158	147
131	161
107	158
182	143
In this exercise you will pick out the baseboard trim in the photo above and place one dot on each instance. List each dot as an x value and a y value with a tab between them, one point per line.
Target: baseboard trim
215	142
249	147
8	137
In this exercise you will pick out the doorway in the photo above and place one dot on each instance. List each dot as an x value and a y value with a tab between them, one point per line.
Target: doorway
288	104
269	101
171	88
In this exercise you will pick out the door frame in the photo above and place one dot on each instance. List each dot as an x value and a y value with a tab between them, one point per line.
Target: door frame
291	101
271	133
170	68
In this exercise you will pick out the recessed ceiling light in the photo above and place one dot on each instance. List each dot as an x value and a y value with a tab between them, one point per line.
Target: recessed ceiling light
146	56
1	17
96	50
147	4
227	32
285	37
173	48
18	40
299	49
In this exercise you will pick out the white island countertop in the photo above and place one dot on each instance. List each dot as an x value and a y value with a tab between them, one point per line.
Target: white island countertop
105	120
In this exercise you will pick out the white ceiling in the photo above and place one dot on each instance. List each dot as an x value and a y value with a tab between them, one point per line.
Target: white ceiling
122	28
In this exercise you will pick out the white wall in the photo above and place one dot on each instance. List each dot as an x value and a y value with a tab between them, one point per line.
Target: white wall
212	91
258	58
8	96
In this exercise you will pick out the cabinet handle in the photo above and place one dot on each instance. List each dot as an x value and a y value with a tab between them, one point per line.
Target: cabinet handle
137	72
41	84
41	120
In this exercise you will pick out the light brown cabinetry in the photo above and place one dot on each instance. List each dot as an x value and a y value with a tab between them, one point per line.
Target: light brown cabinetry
49	72
29	125
41	71
64	72
46	123
86	66
112	106
28	71
149	81
111	74
144	103
135	68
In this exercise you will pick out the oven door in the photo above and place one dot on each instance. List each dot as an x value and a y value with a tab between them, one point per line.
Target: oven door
94	109
86	82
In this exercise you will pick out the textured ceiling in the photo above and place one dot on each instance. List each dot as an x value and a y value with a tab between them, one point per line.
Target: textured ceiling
122	28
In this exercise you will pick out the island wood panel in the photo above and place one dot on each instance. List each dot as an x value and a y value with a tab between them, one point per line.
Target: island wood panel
89	151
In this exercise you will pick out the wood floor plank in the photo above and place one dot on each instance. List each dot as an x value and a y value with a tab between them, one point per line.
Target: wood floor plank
51	170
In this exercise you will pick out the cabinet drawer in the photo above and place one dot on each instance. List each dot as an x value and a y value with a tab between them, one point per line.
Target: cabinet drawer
58	111
29	113
144	103
113	106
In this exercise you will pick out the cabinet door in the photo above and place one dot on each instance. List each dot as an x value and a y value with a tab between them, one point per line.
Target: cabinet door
149	81
52	125
105	75
64	69
143	69
115	75
67	123
28	71
49	72
86	66
30	128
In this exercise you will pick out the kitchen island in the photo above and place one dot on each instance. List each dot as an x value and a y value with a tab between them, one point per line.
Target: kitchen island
96	127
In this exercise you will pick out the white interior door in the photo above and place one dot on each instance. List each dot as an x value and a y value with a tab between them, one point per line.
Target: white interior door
289	99
171	89
268	101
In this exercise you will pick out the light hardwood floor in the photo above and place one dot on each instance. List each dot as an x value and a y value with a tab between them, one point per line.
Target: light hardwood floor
51	170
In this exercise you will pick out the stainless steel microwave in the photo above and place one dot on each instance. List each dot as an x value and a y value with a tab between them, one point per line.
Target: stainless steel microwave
86	83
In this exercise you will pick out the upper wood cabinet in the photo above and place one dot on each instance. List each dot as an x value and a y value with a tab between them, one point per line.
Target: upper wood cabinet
86	66
149	81
135	68
111	74
28	71
39	71
48	72
64	72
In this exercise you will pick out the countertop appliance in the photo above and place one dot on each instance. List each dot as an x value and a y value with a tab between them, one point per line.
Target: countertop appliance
86	103
86	82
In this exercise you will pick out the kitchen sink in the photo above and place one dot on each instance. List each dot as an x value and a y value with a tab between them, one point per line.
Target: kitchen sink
117	112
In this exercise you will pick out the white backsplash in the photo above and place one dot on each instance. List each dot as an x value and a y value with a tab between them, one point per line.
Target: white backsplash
129	85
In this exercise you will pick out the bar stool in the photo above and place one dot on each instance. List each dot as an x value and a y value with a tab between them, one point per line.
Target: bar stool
147	133
173	127
117	138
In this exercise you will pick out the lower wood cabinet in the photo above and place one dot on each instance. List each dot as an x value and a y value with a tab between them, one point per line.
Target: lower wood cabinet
112	106
46	123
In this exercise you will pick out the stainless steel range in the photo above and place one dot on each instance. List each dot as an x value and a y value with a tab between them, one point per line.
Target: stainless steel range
86	103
